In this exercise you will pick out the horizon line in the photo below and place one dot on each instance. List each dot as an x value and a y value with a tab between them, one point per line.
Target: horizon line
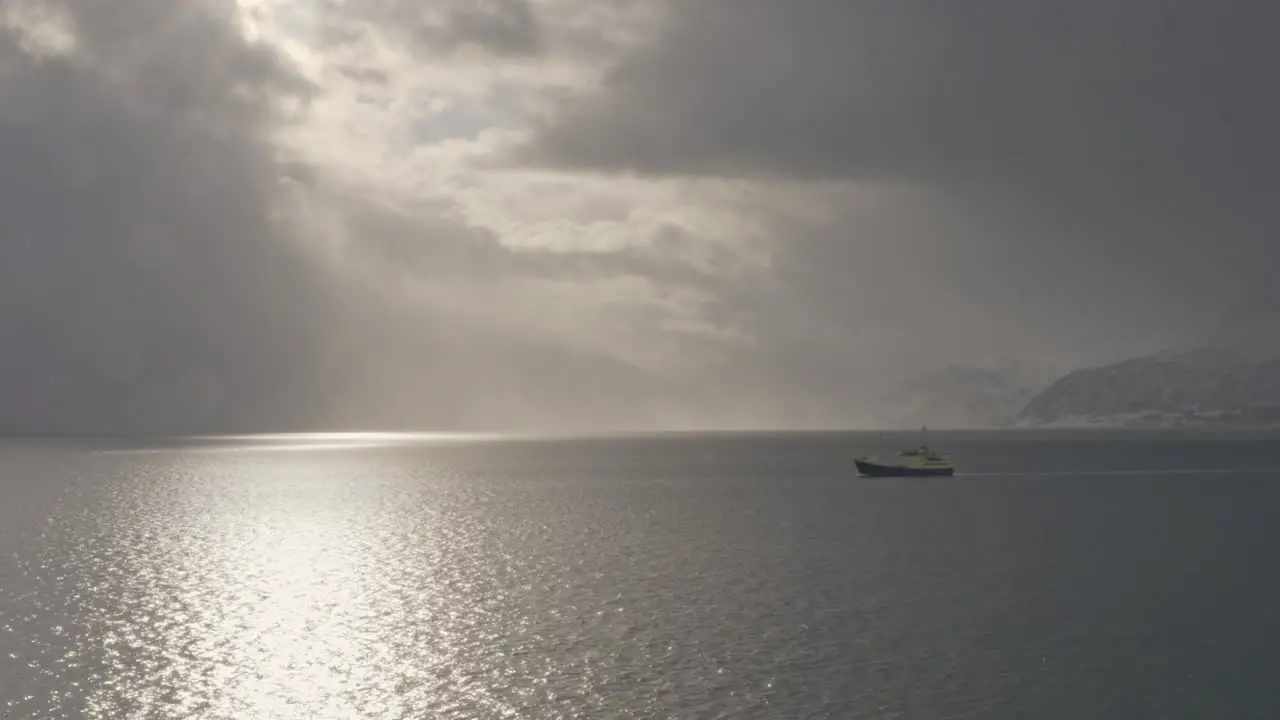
499	435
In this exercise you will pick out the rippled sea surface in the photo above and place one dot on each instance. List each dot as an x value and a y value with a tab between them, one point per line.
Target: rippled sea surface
749	576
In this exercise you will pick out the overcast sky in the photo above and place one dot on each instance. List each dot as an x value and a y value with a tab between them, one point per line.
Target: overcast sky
572	214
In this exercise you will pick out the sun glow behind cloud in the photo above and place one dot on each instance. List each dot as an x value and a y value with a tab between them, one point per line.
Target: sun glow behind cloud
42	30
403	185
602	266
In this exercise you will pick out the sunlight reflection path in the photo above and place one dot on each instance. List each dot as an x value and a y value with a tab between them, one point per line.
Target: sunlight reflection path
279	589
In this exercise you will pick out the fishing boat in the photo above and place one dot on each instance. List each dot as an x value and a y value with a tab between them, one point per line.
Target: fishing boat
917	462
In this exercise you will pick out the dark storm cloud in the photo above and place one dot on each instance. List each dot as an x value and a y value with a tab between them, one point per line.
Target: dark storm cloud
922	89
1127	147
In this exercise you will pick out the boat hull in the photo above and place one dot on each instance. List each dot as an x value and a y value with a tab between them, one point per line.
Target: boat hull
873	469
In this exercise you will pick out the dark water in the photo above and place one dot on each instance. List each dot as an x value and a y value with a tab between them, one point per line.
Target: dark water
1059	576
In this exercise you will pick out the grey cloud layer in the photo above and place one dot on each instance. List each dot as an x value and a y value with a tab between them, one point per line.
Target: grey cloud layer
151	280
138	255
504	27
922	89
523	30
994	179
1128	145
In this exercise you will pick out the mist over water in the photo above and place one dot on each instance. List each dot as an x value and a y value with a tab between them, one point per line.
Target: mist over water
1058	575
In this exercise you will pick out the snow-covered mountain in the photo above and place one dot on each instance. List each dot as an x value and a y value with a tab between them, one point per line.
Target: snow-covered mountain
1200	387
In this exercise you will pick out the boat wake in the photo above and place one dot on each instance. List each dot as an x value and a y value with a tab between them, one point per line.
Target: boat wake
1143	471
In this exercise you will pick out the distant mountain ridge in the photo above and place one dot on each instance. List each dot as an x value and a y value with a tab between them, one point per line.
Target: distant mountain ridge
1198	387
